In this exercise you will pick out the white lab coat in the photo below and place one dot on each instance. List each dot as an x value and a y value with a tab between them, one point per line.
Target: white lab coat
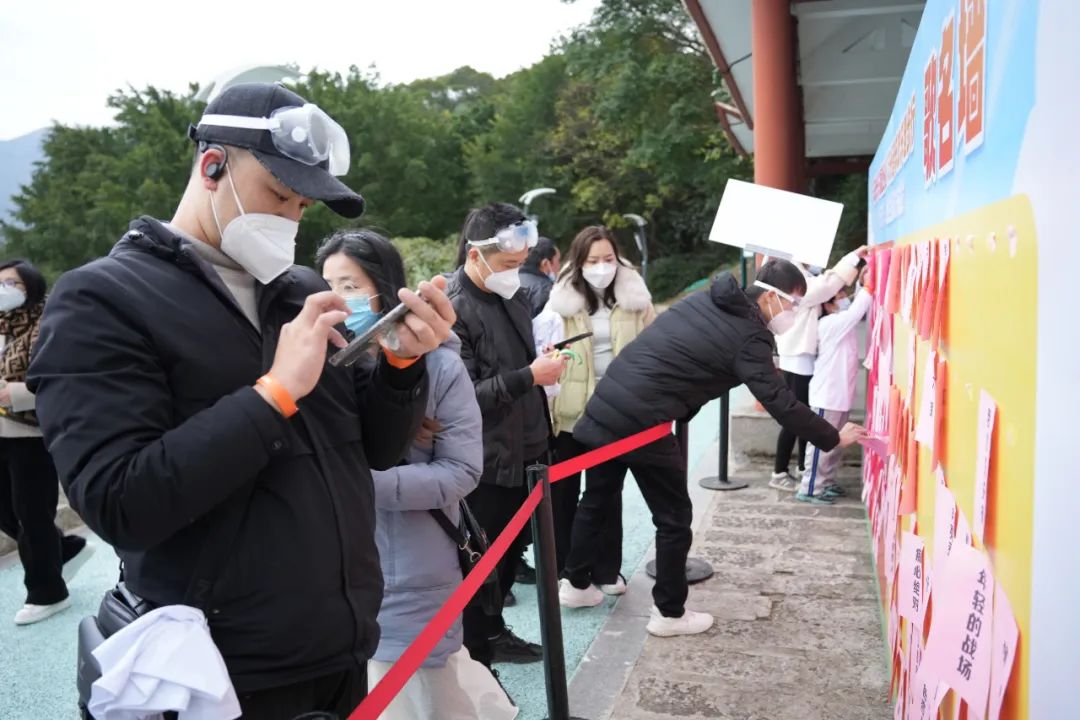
837	365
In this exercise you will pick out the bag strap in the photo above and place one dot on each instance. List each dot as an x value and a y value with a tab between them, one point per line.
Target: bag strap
453	531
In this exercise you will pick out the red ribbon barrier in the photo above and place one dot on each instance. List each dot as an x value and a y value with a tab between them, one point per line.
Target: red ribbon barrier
414	656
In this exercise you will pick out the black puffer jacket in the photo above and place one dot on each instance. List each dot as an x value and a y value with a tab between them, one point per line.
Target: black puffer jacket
143	376
495	333
702	346
537	288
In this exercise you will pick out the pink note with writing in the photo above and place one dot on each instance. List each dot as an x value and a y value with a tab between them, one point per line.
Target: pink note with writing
1006	637
963	530
944	525
959	649
916	697
943	264
924	430
901	706
987	413
926	696
910	595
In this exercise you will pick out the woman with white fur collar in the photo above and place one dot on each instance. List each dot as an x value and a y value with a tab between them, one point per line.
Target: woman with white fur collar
601	293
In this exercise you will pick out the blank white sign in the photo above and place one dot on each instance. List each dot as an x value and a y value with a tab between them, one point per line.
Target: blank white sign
776	222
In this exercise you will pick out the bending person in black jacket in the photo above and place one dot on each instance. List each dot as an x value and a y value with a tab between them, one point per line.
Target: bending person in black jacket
703	346
494	325
168	377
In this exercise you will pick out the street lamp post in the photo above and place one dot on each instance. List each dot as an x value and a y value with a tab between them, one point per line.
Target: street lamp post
642	242
528	197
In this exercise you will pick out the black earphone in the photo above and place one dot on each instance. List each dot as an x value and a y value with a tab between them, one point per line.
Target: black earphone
215	170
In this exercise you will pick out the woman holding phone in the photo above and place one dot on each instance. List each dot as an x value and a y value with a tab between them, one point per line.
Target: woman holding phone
600	293
419	560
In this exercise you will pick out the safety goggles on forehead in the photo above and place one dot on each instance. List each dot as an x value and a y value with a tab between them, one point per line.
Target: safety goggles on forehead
514	238
790	298
305	134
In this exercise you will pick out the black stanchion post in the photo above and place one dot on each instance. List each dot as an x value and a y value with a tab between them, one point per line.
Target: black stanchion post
547	597
720	481
697	570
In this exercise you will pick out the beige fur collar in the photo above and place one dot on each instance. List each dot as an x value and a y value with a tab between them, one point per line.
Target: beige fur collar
631	294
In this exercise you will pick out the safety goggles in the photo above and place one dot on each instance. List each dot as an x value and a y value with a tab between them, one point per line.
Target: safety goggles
790	298
514	238
305	134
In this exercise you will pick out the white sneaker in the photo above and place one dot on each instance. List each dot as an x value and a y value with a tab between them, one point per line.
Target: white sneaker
572	597
691	623
616	588
31	614
784	481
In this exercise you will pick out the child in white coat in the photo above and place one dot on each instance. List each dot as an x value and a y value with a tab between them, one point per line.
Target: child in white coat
832	389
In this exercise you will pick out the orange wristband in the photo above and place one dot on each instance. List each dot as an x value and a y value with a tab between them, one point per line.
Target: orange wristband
398	362
280	395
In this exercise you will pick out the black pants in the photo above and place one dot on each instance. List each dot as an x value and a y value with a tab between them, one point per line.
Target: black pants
493	507
785	443
664	489
28	496
564	502
338	693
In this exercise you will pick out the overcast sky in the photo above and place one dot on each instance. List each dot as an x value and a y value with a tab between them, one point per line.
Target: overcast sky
61	59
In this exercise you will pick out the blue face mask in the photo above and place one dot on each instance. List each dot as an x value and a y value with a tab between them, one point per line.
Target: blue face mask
362	316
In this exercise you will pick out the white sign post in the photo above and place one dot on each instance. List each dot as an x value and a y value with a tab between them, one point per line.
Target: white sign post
776	223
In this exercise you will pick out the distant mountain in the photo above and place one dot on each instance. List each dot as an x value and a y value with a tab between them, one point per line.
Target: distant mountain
17	158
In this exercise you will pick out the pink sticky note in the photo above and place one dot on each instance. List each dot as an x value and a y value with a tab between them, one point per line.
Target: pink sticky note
901	706
963	530
927	589
915	652
924	430
987	413
959	650
911	594
943	265
909	287
1006	636
927	694
944	526
894	626
876	444
912	361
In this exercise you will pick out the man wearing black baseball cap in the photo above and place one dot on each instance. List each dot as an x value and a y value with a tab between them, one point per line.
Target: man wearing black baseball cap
183	390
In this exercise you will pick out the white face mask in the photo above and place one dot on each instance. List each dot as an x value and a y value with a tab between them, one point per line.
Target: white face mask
263	244
782	321
11	298
843	304
504	283
599	275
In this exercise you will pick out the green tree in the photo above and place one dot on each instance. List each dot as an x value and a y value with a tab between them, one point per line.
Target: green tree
93	181
618	119
406	159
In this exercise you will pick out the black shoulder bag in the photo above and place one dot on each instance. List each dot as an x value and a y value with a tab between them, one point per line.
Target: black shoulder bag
121	607
472	543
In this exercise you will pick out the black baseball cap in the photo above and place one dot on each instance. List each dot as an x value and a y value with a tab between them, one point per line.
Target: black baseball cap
259	100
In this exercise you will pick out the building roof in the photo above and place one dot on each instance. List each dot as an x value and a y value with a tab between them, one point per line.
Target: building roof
851	56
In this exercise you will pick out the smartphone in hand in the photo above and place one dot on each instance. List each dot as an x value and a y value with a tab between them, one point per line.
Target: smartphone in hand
370	337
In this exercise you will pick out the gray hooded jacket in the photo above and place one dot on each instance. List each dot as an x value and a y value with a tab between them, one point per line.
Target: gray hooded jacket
419	561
